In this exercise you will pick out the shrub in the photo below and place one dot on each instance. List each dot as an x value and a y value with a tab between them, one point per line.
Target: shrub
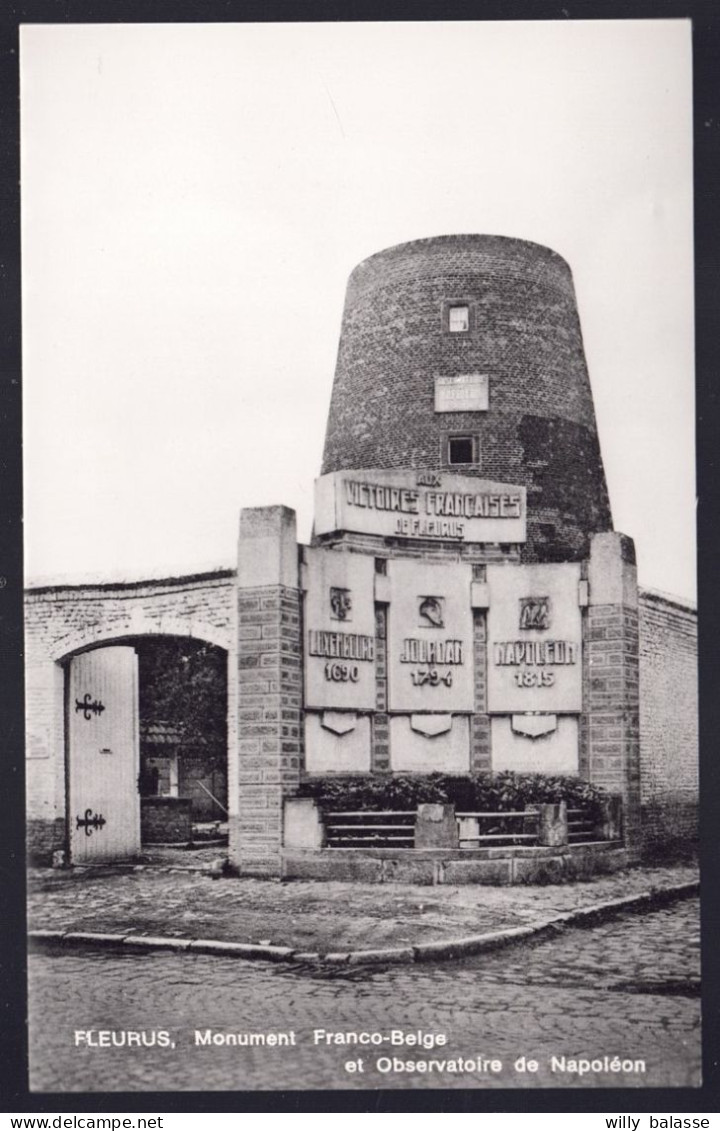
502	792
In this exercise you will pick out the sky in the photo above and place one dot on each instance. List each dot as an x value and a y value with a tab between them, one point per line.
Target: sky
195	196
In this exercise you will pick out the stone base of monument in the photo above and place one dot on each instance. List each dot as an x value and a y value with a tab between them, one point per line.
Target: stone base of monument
516	865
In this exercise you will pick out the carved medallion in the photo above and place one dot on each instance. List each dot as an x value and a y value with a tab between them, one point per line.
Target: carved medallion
431	612
535	612
340	603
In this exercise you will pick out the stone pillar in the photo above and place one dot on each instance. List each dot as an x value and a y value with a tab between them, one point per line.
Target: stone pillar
553	824
380	737
609	822
269	686
612	691
436	827
303	823
480	757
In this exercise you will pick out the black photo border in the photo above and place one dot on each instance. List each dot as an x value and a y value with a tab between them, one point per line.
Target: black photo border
705	17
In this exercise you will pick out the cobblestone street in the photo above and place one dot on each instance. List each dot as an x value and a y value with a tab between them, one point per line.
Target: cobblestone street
307	915
625	989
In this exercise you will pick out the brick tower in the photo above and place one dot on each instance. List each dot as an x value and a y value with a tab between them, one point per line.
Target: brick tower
464	605
464	353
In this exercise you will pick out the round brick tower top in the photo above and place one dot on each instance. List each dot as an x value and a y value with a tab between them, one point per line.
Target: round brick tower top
495	310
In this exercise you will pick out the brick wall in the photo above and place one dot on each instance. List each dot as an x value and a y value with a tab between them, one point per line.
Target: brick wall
668	722
270	682
270	720
610	738
611	704
61	620
165	820
524	334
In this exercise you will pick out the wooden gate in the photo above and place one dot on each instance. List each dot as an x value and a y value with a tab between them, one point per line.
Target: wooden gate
103	753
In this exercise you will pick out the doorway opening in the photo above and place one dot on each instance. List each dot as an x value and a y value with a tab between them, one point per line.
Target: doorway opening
183	724
147	743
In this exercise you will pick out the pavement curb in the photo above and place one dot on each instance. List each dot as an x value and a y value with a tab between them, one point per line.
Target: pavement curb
595	913
421	952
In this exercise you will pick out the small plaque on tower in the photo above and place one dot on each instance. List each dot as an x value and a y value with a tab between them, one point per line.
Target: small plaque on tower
468	392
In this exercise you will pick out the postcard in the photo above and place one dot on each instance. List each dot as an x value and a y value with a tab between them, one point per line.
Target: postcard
361	637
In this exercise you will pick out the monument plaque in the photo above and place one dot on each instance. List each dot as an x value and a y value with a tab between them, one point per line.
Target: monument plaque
430	659
339	630
403	504
534	639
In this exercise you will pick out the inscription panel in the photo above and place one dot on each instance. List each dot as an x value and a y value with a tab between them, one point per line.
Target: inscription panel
403	504
534	639
339	630
468	392
430	637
